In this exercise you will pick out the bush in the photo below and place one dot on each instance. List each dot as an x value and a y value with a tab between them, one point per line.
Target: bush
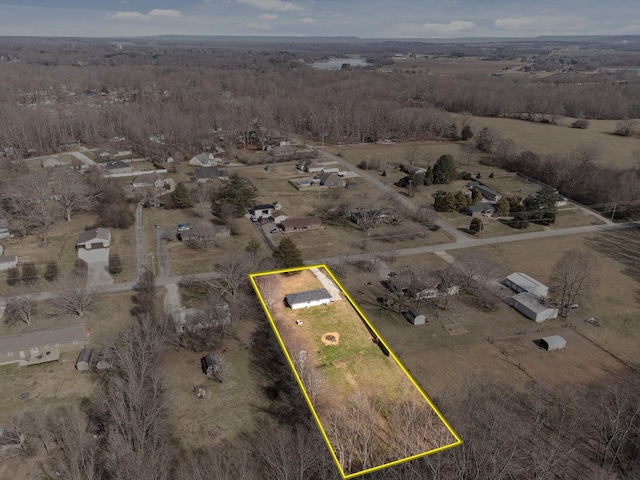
115	265
581	123
51	272
29	273
13	276
520	221
80	268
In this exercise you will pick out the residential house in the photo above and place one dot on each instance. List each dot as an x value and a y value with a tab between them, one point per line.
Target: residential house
326	169
488	194
521	282
310	166
4	228
8	261
121	152
259	213
204	174
203	231
118	167
282	151
56	161
331	180
9	151
68	143
533	307
301	224
103	154
205	160
93	239
38	346
311	298
480	210
198	318
148	180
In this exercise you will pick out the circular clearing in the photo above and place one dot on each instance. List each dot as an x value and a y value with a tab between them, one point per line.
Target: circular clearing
331	338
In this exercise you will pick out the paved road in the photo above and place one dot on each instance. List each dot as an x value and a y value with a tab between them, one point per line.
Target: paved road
453	232
479	242
83	158
162	252
140	265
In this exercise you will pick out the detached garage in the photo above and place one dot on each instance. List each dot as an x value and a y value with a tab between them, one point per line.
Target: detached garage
554	342
533	307
312	298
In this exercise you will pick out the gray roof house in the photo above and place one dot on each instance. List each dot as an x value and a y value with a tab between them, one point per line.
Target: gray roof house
192	319
8	261
487	193
4	228
148	180
205	160
331	180
56	161
96	238
118	167
521	282
311	298
38	346
480	210
204	174
203	231
533	307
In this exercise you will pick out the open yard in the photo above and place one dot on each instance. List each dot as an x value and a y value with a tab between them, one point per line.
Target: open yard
500	343
346	374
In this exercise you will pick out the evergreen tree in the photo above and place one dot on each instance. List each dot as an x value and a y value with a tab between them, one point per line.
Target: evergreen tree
287	254
238	193
476	196
461	201
444	171
180	196
503	207
476	226
466	133
428	176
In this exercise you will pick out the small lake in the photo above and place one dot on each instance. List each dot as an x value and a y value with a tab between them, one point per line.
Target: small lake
336	63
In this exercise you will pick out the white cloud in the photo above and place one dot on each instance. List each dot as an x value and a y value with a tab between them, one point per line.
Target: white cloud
307	20
269	16
260	26
454	26
277	5
145	17
515	24
157	12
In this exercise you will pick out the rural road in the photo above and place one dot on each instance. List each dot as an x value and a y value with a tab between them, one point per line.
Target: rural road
140	265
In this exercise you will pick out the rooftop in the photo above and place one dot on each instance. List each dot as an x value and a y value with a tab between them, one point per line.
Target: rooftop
309	296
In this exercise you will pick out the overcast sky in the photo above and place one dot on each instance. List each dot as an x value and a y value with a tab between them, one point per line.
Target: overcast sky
362	18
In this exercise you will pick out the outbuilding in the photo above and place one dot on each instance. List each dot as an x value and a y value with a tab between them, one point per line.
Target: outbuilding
211	366
8	261
311	298
553	342
533	307
83	364
415	317
521	282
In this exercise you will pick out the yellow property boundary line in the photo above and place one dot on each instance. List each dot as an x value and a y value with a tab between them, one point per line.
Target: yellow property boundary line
380	340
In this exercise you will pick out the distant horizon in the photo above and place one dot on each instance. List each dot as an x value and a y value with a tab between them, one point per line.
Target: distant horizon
371	19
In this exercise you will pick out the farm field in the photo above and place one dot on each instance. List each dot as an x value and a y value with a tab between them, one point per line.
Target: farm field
457	66
332	351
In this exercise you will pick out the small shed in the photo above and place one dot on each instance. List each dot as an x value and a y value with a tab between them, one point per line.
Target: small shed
311	298
415	317
533	307
83	364
553	342
210	366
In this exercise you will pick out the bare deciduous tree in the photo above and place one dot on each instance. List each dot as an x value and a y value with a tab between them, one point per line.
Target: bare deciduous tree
574	276
20	308
75	295
75	194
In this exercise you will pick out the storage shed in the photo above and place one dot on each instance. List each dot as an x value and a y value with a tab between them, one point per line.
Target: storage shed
553	342
311	298
533	307
521	282
415	317
83	364
211	366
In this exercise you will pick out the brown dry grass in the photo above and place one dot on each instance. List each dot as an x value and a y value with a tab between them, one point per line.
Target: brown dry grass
458	66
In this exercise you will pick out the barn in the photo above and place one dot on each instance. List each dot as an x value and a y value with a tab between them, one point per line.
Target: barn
83	364
415	317
311	298
521	282
553	342
533	307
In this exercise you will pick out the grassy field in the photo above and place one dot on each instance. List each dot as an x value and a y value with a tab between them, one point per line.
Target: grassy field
342	369
457	66
500	343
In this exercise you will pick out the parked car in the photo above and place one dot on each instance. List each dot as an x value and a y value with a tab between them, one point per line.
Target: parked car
276	230
183	226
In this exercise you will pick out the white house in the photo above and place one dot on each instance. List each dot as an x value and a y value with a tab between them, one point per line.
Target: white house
56	161
279	216
96	238
205	160
8	261
311	298
521	282
148	180
533	307
4	228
